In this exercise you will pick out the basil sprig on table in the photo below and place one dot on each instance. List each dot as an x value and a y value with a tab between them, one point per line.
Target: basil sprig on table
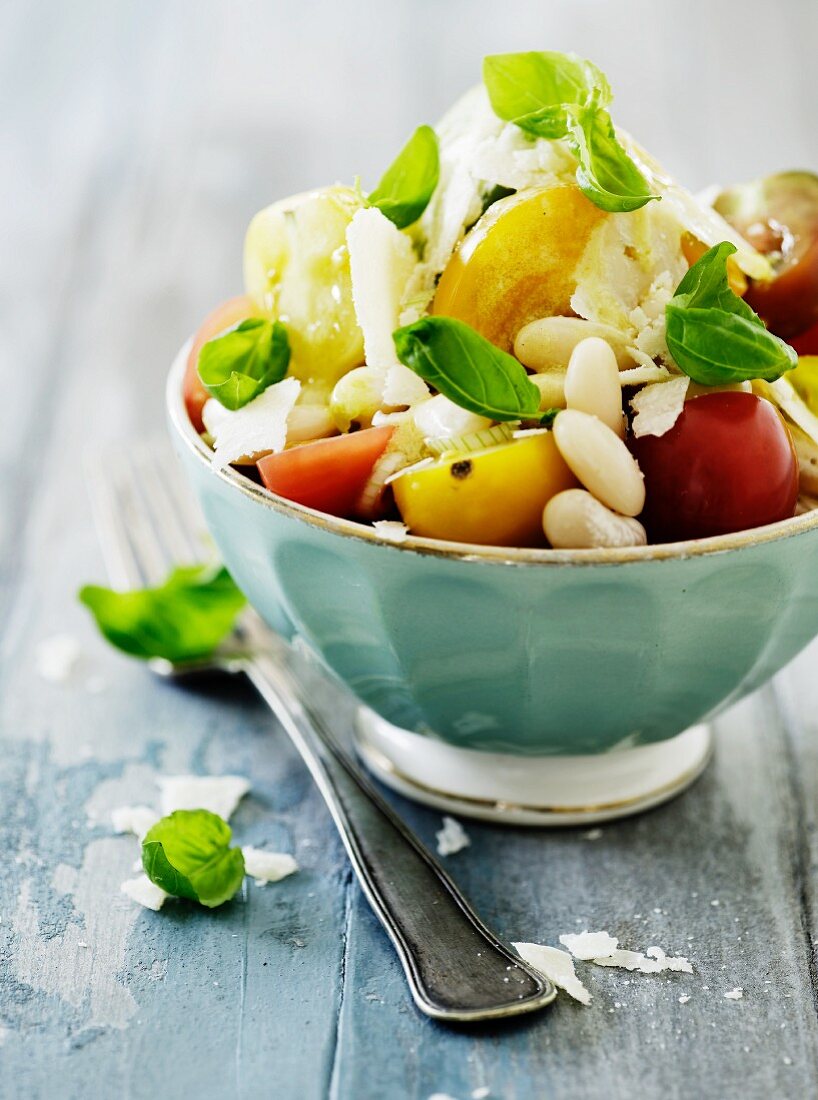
242	363
713	335
188	854
183	619
410	181
555	96
465	367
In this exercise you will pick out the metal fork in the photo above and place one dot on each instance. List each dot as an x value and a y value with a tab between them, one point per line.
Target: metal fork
457	969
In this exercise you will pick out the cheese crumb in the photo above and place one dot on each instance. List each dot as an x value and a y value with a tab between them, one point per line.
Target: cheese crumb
133	819
655	961
734	994
684	999
391	529
658	407
57	658
557	966
480	1093
451	838
592	834
147	893
259	426
267	867
219	794
590	945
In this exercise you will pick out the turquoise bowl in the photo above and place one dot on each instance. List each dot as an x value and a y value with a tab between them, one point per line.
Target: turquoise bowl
523	653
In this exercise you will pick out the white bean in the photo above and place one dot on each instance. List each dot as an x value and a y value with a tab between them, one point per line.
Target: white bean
592	383
575	520
551	384
600	460
440	417
548	342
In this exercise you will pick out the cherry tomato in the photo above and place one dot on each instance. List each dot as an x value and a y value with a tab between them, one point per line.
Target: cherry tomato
807	342
329	475
223	317
727	464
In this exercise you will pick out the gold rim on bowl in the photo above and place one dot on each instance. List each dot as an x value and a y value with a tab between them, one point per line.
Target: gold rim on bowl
503	555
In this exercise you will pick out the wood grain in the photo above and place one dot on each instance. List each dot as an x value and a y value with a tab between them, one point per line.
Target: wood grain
138	139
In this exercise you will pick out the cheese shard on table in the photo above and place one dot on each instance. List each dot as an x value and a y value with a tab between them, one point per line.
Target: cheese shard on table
258	427
381	261
659	406
590	945
451	838
556	965
219	794
734	994
268	866
57	658
133	819
655	961
147	893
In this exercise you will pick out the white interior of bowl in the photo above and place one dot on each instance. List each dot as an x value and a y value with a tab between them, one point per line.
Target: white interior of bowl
347	528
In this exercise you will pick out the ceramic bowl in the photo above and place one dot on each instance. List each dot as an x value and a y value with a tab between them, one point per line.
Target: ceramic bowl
535	685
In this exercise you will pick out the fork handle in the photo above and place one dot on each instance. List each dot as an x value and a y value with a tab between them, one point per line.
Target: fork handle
456	967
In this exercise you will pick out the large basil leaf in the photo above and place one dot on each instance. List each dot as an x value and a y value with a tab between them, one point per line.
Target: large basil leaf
188	855
463	366
410	181
605	174
713	335
535	90
183	619
241	364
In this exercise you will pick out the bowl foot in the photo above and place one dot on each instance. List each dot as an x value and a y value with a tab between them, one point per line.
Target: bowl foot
531	790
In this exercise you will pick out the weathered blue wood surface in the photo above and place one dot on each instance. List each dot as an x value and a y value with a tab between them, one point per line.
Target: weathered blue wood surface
138	138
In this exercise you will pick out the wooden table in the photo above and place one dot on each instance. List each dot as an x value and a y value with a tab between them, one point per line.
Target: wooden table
138	139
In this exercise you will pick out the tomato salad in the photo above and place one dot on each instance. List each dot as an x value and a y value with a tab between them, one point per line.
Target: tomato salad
526	335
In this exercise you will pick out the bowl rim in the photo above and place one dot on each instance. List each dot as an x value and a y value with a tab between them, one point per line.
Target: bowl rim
463	551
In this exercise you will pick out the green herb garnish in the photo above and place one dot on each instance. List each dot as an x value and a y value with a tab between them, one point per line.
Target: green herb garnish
188	855
241	364
183	619
556	96
468	369
713	335
410	181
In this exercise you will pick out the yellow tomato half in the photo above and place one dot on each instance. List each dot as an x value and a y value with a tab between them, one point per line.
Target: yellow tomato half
493	497
517	264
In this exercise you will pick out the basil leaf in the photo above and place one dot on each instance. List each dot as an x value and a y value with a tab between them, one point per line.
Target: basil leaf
463	366
713	335
606	174
409	182
241	364
182	620
188	854
535	90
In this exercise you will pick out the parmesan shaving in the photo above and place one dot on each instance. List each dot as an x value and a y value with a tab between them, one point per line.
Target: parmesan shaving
257	428
134	819
382	261
734	994
267	867
57	658
659	406
655	961
403	387
645	373
391	529
590	945
557	966
145	892
218	794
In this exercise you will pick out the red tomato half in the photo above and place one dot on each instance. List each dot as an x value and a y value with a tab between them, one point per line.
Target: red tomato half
225	316
727	464
807	342
328	475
